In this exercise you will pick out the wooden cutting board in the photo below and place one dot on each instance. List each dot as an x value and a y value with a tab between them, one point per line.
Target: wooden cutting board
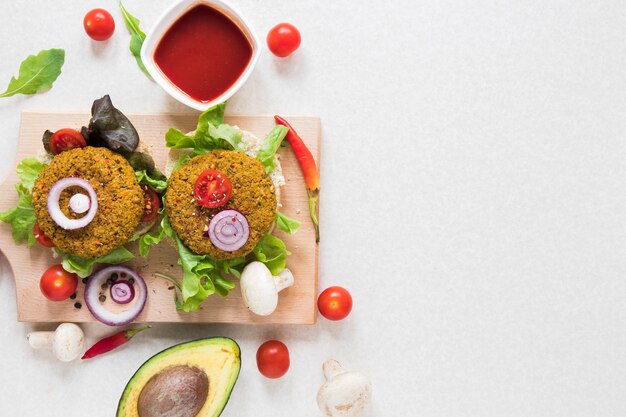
297	305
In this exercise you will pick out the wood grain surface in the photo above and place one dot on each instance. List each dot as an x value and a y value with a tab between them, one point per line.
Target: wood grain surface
296	304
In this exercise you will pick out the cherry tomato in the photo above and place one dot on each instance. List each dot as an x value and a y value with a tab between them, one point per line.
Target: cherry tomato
66	139
212	189
152	204
335	303
99	24
272	359
283	39
41	237
57	284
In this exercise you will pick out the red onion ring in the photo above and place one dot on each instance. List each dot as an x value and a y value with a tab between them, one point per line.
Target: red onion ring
122	292
79	203
97	309
55	210
229	230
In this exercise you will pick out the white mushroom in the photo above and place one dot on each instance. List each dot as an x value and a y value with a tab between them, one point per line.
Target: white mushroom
345	394
259	289
66	341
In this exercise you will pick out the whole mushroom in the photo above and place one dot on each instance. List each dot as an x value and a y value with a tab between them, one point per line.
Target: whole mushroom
66	341
259	289
345	394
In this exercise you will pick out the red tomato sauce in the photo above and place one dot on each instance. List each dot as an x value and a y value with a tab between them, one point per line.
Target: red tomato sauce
203	53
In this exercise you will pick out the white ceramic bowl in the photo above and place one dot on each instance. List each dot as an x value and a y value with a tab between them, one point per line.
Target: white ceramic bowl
166	20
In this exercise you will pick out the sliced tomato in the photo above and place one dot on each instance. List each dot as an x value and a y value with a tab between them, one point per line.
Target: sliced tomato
152	204
41	237
66	139
213	188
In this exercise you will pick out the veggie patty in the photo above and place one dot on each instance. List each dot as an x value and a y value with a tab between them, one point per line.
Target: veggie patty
120	201
253	195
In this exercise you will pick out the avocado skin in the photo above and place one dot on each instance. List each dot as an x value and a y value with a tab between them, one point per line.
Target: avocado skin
128	408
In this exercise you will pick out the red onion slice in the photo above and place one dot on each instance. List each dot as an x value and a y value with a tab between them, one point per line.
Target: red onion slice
99	311
79	203
55	210
229	230
122	292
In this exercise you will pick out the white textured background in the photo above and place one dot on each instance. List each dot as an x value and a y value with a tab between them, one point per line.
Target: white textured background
474	202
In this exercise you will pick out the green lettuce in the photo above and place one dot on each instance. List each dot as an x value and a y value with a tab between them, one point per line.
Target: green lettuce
84	267
22	217
270	147
156	181
211	133
287	224
28	170
272	251
204	276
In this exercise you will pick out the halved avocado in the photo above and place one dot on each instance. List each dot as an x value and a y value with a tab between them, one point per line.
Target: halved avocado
218	358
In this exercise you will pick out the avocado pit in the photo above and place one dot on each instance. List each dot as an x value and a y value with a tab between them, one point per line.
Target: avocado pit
176	391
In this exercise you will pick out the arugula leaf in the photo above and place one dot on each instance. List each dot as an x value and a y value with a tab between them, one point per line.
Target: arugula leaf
287	224
37	73
211	133
272	252
270	147
157	182
136	37
84	267
22	217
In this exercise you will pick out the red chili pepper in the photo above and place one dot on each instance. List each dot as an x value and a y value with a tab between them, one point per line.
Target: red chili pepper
309	170
109	343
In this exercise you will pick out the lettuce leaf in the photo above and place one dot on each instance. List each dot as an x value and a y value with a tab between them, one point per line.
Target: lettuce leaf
270	147
157	181
203	276
84	267
28	170
155	237
211	133
272	251
22	217
287	224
